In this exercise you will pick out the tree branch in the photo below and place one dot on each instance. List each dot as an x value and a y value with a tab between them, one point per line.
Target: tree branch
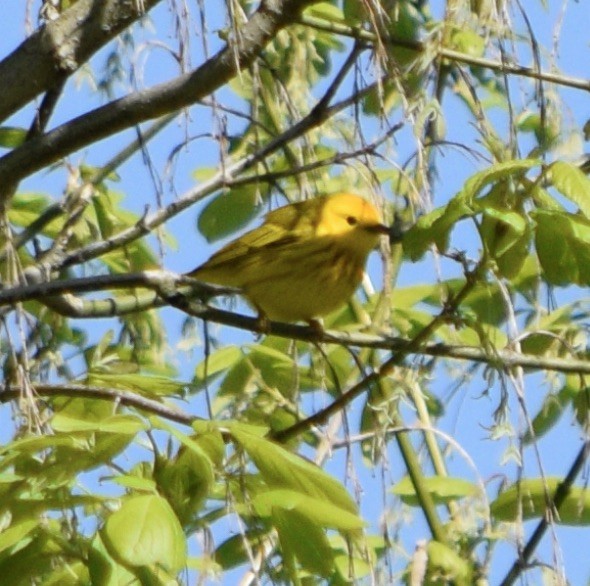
49	293
174	289
12	392
61	46
555	503
450	54
58	209
501	358
184	90
313	120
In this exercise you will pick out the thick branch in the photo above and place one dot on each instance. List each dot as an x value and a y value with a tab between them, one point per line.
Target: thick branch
58	295
60	47
161	282
271	16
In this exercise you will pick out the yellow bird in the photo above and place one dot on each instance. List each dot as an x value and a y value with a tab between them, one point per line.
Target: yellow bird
304	261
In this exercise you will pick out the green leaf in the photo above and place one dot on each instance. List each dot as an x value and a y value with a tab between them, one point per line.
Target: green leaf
103	569
435	227
469	42
94	448
16	535
89	172
529	121
573	183
236	382
380	100
53	500
484	299
507	236
277	368
137	483
12	136
563	247
145	532
446	566
354	12
234	552
497	172
547	333
325	10
82	409
357	558
407	297
111	216
220	361
324	514
230	211
531	495
208	443
26	207
120	424
301	536
27	565
32	445
148	385
442	489
271	367
404	24
547	129
283	469
553	407
185	481
430	114
514	223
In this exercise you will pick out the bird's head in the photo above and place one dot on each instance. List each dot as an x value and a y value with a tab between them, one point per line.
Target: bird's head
352	220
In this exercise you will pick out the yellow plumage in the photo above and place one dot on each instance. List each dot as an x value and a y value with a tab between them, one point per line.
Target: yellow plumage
304	261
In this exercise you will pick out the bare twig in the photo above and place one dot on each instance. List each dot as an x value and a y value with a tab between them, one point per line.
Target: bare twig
9	393
313	120
457	56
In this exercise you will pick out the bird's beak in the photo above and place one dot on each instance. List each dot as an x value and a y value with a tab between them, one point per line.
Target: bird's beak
379	228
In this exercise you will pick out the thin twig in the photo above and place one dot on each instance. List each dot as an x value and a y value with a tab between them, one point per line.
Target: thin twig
457	56
9	393
313	120
558	498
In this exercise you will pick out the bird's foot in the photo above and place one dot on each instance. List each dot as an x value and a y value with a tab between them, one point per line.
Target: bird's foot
317	327
262	324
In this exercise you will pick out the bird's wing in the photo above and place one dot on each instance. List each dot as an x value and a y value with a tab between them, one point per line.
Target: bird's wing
241	260
281	227
232	265
293	216
264	237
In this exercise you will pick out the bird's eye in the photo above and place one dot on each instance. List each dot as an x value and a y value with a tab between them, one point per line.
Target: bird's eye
352	221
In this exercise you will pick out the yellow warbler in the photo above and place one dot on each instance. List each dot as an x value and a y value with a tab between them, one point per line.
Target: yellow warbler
304	261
